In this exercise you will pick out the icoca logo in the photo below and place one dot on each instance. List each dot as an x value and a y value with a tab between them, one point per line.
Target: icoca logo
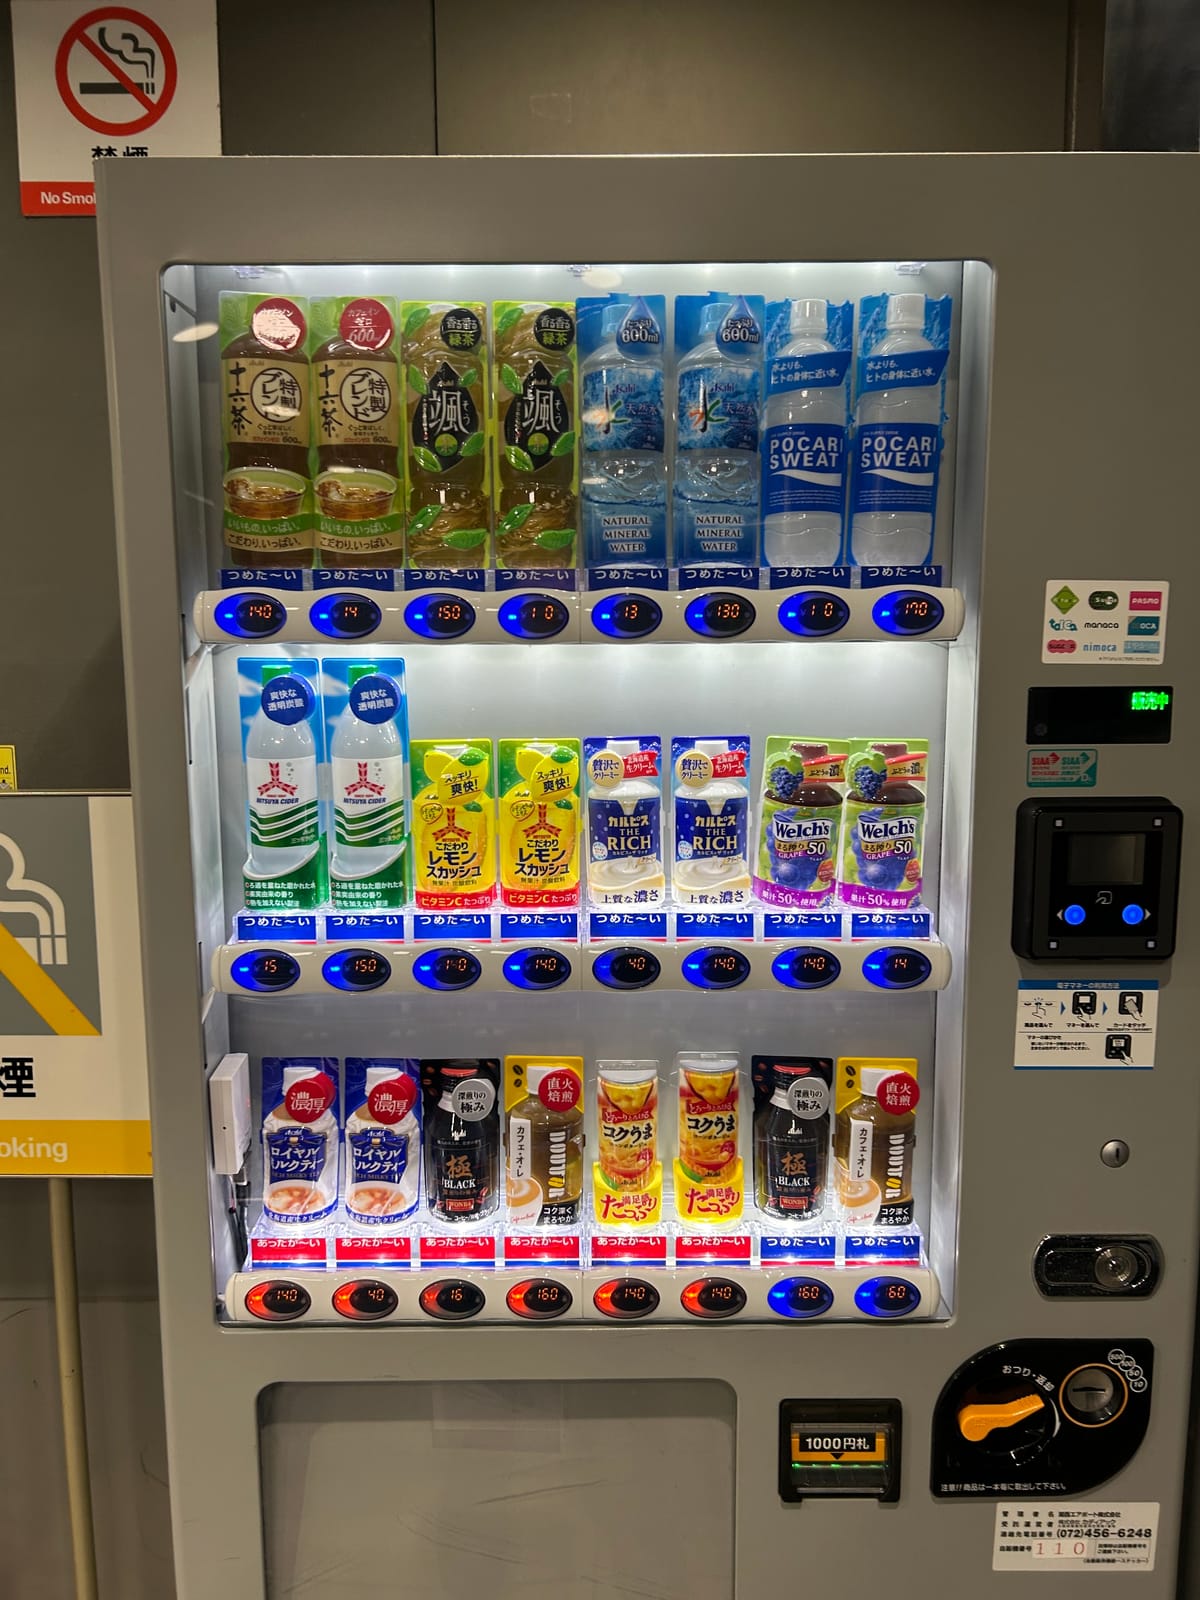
893	828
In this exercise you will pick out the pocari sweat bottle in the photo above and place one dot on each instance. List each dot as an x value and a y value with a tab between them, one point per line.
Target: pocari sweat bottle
804	445
623	468
716	462
366	758
281	775
896	447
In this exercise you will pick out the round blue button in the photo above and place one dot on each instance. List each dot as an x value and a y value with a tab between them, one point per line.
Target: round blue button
1074	915
1133	915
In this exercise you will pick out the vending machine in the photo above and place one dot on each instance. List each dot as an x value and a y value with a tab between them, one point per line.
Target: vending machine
659	783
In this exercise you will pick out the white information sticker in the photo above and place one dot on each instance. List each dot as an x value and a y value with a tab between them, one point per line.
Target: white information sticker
1115	622
1075	1536
1104	1025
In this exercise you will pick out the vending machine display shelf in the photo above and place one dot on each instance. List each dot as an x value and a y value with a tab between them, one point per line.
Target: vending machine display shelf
550	615
688	1295
700	965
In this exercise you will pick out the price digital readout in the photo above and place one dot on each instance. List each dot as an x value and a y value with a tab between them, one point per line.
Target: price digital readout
712	1299
807	967
345	616
448	968
814	613
440	616
365	1301
535	616
245	615
357	971
452	1300
539	1299
265	971
887	1297
716	967
907	612
800	1298
627	616
628	967
537	969
626	1299
277	1301
720	616
897	967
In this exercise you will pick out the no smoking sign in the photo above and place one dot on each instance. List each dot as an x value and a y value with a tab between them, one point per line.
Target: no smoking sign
109	83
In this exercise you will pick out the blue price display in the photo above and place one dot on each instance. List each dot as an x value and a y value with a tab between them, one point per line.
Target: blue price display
345	616
357	971
907	612
265	971
723	615
446	969
533	616
249	616
887	1297
627	967
626	616
814	613
440	616
806	967
896	967
799	1297
716	967
537	968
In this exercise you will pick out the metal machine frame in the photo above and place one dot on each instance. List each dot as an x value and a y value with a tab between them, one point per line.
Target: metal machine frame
1085	472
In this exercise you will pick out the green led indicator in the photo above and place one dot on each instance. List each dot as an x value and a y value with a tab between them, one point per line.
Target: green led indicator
1149	699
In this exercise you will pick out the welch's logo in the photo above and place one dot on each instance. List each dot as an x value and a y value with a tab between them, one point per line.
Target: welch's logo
796	830
894	828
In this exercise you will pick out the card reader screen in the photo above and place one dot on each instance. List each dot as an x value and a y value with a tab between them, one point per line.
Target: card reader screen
1106	857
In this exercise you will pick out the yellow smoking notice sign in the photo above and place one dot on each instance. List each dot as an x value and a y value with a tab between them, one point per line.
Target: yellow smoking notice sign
73	1091
8	768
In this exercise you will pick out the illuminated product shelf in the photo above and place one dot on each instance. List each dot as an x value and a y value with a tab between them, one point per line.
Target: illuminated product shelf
786	1295
808	613
703	965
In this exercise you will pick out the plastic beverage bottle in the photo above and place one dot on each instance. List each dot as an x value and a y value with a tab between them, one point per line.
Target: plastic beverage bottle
281	776
716	461
897	538
711	833
463	1162
623	469
545	1156
813	424
791	1144
367	762
625	822
382	1149
874	1150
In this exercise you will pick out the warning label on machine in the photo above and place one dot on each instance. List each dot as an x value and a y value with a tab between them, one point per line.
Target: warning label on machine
1084	1536
1106	1025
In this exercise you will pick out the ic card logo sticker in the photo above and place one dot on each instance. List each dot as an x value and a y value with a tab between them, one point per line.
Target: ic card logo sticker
1105	621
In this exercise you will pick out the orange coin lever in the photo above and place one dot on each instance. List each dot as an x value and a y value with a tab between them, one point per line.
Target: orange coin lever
977	1421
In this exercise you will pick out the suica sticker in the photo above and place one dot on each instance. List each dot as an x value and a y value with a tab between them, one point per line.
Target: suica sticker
1106	1025
1084	1536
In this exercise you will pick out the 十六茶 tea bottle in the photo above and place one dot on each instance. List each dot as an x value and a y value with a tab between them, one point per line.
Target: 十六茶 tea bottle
356	431
265	426
536	434
445	368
